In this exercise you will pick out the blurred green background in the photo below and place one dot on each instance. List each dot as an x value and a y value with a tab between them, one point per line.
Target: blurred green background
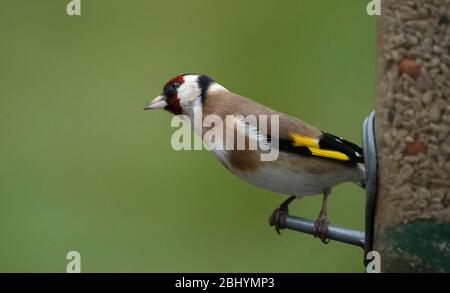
83	168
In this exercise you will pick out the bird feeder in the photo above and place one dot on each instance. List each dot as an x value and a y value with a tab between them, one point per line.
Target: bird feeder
407	146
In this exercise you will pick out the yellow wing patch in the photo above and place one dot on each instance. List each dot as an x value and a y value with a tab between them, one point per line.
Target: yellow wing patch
313	145
329	154
301	140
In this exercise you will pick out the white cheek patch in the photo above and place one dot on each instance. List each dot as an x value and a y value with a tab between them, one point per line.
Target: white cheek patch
189	90
189	95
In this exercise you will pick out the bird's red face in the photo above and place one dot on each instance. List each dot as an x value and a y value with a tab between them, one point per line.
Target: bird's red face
170	91
182	94
169	99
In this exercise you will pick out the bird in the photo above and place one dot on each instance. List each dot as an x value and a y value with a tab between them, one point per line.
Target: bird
309	162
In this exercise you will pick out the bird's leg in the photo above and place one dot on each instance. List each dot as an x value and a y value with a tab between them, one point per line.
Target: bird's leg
278	217
321	223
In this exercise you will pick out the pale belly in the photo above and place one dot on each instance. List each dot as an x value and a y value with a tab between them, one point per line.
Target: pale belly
289	181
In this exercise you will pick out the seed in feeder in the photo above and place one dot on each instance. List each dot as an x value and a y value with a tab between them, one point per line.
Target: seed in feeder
427	97
414	148
409	67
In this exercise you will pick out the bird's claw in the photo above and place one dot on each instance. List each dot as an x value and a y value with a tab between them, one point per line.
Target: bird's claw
321	228
278	218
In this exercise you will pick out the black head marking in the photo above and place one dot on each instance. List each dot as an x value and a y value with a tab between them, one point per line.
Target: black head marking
204	82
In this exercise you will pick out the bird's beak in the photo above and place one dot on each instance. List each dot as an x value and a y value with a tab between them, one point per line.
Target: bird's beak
158	103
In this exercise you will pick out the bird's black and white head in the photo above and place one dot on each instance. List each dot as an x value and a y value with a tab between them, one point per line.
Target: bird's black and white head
183	94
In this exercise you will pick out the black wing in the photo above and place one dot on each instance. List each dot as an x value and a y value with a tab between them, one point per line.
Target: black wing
331	142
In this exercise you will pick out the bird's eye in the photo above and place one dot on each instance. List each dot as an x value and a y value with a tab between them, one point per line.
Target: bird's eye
176	84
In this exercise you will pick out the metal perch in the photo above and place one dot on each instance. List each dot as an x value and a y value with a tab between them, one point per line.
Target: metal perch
337	233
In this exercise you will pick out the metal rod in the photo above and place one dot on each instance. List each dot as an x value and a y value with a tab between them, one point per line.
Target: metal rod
341	234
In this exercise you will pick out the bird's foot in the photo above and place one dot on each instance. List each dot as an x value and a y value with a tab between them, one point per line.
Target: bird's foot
321	228
278	218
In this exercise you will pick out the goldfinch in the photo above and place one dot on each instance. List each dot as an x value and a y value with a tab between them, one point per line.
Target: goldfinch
309	161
